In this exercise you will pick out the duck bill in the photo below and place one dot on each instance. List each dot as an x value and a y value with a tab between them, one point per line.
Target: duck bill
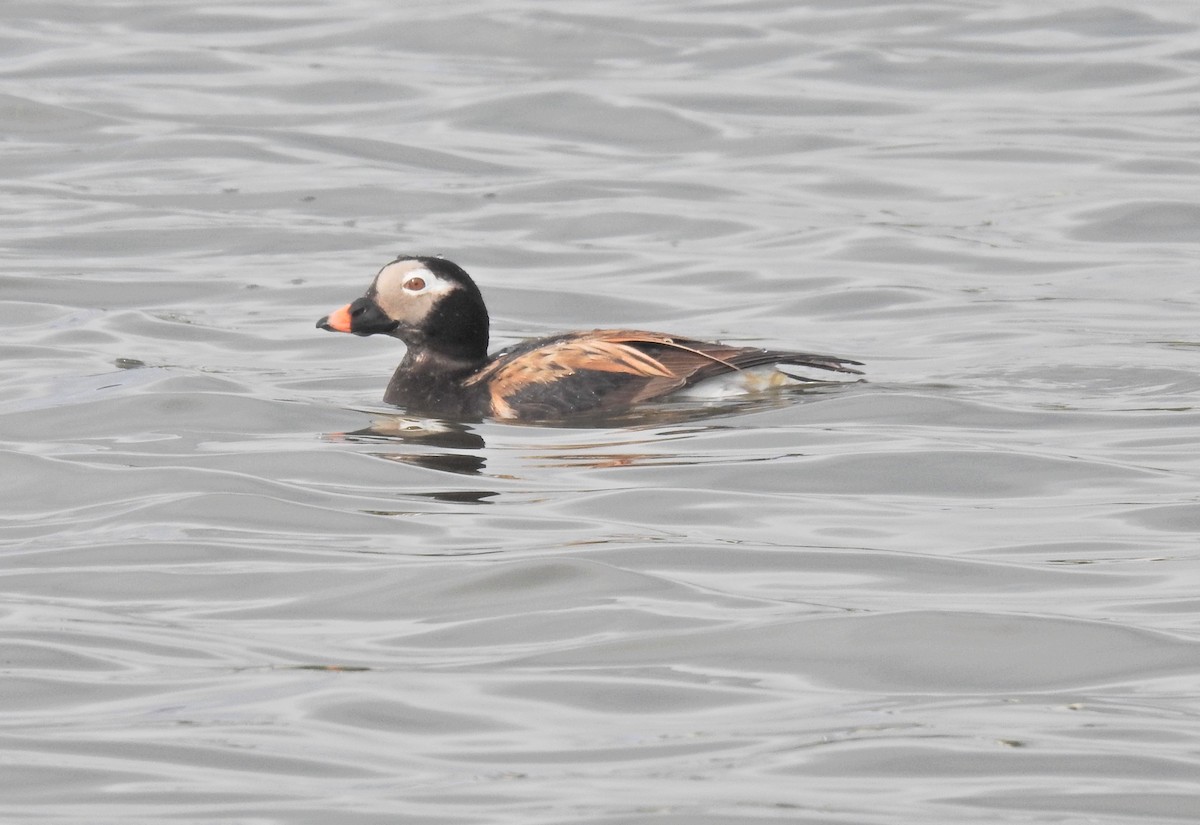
337	321
363	317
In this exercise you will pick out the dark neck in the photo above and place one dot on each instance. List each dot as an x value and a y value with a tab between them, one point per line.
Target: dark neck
431	381
426	361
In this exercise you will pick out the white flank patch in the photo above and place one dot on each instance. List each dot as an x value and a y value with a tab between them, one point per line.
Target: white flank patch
733	384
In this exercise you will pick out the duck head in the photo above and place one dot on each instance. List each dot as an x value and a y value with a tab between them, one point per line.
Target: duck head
428	303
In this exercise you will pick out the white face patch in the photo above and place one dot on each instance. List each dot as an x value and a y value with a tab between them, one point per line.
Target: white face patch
411	277
407	290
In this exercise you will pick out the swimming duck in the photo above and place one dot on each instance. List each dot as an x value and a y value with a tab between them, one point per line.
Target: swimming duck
434	307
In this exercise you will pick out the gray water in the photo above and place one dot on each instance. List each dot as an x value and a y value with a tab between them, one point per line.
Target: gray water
238	588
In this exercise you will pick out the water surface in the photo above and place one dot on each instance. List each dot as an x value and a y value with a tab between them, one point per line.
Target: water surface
238	588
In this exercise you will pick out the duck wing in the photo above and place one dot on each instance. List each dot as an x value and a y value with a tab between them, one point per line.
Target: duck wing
605	370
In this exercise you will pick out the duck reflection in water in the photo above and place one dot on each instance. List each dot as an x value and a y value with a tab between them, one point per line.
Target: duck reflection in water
457	447
423	433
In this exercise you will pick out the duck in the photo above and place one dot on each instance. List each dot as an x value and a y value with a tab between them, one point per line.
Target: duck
434	307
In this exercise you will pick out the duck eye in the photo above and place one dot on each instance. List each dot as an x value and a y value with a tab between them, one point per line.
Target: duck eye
415	284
